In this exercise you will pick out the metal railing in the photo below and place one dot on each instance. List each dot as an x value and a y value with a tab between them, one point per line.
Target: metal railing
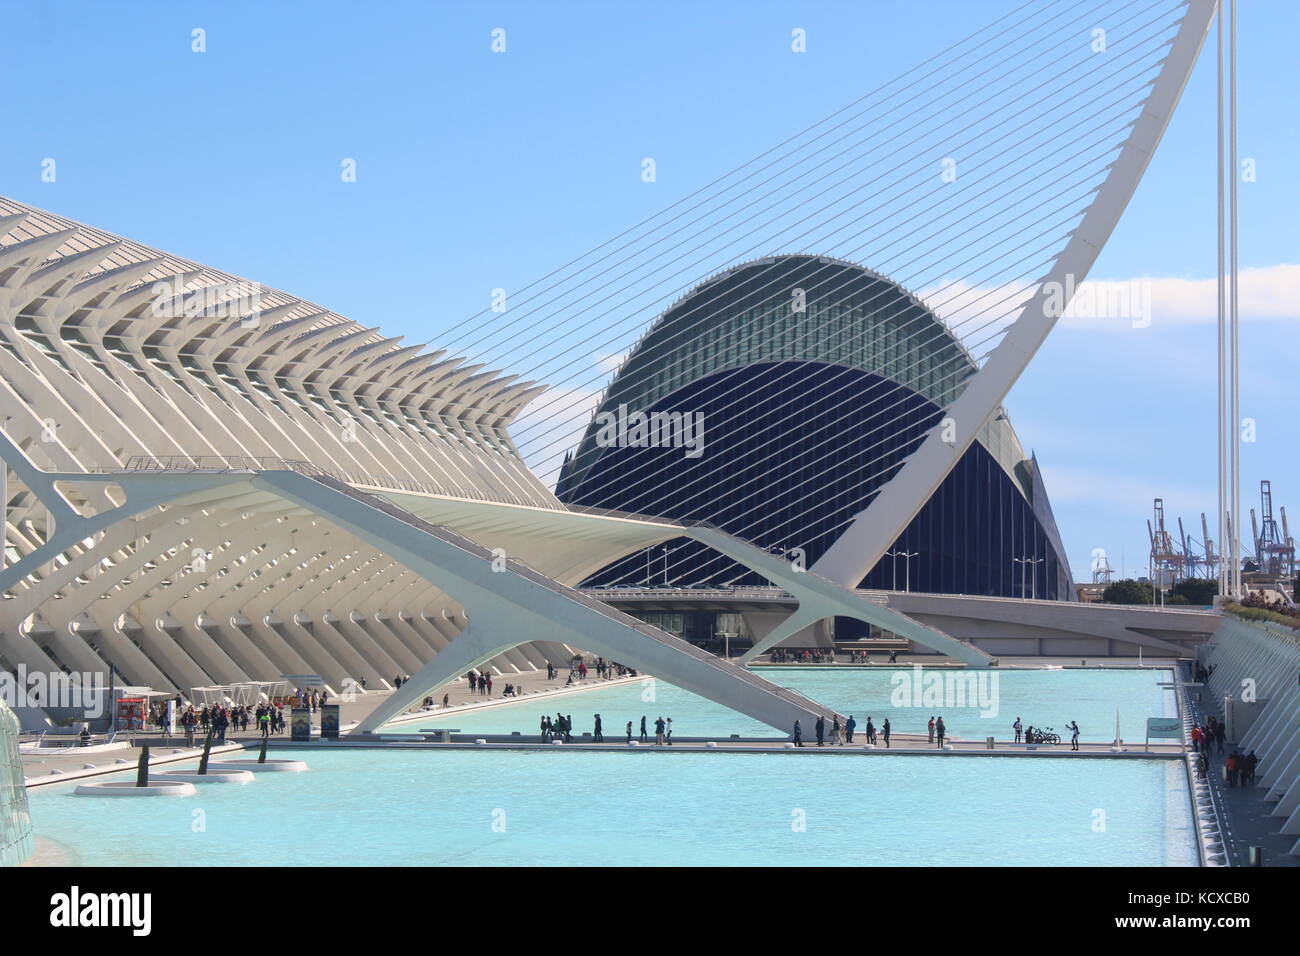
740	593
1044	602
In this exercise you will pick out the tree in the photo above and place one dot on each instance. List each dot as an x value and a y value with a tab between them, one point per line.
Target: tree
1197	590
1127	591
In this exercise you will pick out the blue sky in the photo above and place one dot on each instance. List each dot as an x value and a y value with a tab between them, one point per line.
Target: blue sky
477	171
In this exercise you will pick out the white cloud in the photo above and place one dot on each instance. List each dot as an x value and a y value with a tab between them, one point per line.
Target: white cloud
1264	293
610	362
550	425
1269	292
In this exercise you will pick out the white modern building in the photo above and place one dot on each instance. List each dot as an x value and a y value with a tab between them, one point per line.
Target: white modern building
208	481
16	842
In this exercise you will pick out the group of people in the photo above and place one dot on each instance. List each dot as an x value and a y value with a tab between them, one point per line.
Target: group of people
843	733
479	683
1209	736
1030	735
1208	739
605	670
311	698
268	718
482	683
578	670
1239	768
936	731
864	657
663	731
222	718
561	728
818	655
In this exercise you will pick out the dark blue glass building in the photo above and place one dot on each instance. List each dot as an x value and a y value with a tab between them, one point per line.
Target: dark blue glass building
778	398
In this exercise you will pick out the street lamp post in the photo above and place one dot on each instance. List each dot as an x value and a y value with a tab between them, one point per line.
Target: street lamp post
1023	562
907	556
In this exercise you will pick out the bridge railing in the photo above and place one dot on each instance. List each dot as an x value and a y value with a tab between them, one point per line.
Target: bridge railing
1041	602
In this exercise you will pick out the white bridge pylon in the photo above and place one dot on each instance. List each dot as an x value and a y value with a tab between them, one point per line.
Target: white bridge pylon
877	526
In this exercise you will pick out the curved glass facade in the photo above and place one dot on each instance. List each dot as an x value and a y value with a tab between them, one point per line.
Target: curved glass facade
804	416
15	819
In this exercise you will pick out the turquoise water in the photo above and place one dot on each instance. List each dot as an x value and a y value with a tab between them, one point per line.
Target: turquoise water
480	808
1038	697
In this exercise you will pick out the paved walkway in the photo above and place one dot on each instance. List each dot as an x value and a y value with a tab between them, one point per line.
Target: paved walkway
533	687
901	746
1249	823
536	688
1246	817
880	661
